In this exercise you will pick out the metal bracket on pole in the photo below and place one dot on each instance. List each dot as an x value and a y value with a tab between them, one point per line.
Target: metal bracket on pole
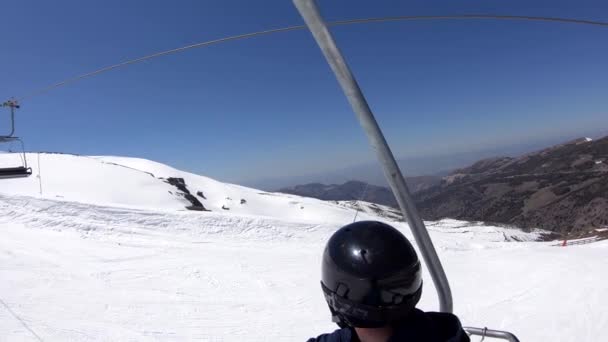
309	11
485	332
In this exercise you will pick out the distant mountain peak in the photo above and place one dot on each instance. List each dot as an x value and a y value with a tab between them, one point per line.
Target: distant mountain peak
358	190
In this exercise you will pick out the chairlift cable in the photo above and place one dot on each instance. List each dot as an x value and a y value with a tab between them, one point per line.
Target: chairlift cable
301	27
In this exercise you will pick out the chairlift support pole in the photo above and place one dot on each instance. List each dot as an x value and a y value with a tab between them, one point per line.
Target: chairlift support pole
310	12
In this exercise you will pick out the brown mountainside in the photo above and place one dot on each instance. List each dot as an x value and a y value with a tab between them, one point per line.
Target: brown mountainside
563	188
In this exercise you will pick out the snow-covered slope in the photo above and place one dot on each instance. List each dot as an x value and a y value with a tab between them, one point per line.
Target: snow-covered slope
79	272
88	180
107	253
139	183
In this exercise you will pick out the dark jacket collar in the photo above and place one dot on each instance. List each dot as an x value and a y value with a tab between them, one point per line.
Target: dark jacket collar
419	327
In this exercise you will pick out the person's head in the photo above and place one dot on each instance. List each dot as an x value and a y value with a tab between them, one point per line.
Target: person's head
371	275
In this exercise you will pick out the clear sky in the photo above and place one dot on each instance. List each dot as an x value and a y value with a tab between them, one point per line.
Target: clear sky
269	106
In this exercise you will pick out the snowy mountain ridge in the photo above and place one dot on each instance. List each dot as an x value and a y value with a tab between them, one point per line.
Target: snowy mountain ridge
103	191
143	184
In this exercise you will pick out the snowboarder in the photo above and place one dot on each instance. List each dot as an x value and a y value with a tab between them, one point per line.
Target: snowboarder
371	279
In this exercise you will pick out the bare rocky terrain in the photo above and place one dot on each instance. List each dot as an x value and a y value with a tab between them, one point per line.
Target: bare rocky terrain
563	189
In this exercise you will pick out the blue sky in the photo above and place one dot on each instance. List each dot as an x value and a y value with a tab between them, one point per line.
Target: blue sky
269	106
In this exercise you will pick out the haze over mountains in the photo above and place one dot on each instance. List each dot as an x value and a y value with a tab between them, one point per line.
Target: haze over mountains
438	163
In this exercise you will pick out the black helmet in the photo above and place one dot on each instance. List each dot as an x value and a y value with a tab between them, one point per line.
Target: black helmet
371	275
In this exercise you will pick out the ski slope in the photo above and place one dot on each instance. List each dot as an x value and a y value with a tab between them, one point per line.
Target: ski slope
82	262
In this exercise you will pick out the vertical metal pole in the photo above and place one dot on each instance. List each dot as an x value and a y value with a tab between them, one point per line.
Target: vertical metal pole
12	105
12	121
39	175
309	11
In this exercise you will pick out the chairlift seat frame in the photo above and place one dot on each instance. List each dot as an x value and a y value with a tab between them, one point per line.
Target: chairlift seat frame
16	171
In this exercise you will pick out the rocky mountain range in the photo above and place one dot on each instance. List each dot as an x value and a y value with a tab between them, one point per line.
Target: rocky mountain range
356	190
563	188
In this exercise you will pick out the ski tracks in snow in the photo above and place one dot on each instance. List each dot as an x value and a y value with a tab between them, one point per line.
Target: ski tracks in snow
78	272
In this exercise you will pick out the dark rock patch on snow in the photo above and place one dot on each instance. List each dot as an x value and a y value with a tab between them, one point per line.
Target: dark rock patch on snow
180	184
